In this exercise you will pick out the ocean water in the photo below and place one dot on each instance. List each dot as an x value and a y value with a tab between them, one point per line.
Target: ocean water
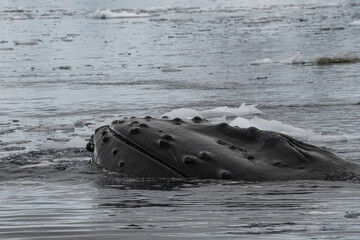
68	67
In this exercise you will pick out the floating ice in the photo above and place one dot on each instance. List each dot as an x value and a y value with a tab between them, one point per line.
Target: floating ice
188	113
263	61
106	121
76	142
355	23
349	57
50	144
106	14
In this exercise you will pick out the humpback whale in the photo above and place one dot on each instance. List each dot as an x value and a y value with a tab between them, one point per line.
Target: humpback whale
164	148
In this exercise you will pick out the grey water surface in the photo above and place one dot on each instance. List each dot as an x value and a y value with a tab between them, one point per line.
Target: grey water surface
67	67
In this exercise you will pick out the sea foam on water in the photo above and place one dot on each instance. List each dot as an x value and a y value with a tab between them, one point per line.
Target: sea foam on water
218	112
107	13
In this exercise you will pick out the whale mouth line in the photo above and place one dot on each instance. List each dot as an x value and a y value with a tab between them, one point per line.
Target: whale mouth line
139	148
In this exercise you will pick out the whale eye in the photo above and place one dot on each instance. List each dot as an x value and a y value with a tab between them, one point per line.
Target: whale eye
90	147
114	152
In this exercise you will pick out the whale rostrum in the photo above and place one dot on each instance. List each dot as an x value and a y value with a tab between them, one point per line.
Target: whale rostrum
163	148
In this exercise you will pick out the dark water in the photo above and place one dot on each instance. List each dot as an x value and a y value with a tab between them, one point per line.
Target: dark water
67	67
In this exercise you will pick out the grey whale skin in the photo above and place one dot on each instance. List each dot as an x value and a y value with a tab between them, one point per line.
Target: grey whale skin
162	148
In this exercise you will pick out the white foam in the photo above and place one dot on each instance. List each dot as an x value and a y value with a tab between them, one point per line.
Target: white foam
218	112
302	134
271	125
263	61
184	113
297	59
108	14
355	23
41	164
231	112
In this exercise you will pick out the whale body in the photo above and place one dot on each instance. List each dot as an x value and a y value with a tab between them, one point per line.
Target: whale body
163	148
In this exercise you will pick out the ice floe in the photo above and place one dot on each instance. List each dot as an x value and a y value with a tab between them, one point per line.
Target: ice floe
75	142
